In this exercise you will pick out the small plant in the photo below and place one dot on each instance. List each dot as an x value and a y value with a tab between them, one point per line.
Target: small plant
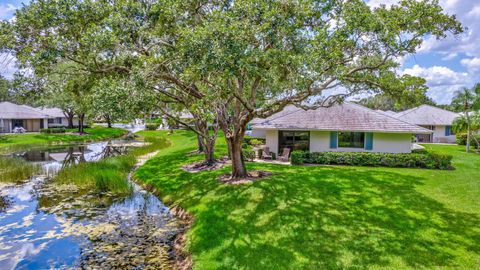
152	126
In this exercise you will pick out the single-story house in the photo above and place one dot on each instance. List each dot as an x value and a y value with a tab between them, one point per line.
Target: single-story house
57	118
344	127
13	115
439	121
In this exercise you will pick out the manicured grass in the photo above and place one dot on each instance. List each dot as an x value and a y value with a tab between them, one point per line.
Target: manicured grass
325	217
13	142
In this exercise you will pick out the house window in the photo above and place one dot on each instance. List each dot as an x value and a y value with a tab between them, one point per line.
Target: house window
351	139
295	140
51	120
58	120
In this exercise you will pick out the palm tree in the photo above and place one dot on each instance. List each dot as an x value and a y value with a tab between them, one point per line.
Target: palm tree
466	100
460	125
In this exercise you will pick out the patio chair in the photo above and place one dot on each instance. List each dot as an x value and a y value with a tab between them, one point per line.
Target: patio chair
266	153
285	155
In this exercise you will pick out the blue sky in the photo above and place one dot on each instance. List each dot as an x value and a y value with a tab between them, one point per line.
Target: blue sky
447	65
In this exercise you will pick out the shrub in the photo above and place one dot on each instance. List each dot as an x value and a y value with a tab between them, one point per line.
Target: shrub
53	130
413	160
462	139
152	126
253	141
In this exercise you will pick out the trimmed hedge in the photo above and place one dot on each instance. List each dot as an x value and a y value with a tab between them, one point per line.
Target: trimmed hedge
152	126
413	160
53	130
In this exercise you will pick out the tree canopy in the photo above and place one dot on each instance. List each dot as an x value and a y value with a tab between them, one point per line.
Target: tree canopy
245	59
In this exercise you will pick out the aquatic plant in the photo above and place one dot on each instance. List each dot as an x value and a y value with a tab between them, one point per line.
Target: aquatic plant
16	170
107	175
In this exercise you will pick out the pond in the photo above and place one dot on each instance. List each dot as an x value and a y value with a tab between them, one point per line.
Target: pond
43	225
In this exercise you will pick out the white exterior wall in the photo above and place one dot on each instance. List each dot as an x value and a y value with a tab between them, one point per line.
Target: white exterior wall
64	123
272	140
439	135
258	133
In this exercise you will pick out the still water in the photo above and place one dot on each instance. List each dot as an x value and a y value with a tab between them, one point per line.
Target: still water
49	226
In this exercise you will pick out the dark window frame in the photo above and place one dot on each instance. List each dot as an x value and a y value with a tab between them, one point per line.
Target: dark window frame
295	144
356	139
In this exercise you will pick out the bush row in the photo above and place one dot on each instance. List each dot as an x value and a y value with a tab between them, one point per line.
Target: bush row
413	160
462	139
53	130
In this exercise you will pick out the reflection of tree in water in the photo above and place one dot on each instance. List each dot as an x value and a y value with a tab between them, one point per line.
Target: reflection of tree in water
111	150
74	157
5	203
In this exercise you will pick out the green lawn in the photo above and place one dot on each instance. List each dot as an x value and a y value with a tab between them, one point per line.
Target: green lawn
325	217
11	142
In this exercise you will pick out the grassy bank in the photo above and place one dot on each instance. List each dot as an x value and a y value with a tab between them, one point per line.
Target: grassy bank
325	217
110	174
14	142
15	170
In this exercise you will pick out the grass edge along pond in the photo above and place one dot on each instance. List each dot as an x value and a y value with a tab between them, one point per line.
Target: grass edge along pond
16	170
16	142
109	174
324	217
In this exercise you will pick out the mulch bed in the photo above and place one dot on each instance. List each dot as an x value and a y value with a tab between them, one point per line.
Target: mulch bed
201	166
252	177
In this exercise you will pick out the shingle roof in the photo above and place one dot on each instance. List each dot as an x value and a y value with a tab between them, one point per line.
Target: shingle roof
52	112
9	110
427	115
343	117
389	112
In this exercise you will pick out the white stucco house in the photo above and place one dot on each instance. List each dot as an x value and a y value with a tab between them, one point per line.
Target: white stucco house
56	117
13	115
344	127
439	121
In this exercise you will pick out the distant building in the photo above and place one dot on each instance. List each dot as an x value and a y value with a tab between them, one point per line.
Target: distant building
13	115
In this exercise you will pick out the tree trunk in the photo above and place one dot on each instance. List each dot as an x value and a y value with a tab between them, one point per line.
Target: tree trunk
468	130
200	144
209	151
69	115
109	121
238	163
81	118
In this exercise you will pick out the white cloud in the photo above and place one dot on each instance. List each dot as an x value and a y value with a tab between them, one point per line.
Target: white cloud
438	75
6	11
472	64
442	81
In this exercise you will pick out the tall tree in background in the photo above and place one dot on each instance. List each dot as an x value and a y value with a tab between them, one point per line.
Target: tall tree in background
466	100
4	89
252	58
406	100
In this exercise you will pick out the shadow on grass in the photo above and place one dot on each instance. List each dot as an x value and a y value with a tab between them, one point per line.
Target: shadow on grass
315	218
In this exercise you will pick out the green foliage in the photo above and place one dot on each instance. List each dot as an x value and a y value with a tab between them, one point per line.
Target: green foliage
413	160
53	130
462	139
403	101
253	141
16	169
152	126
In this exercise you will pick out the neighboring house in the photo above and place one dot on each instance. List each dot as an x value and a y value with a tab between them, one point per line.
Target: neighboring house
57	118
13	115
439	121
345	127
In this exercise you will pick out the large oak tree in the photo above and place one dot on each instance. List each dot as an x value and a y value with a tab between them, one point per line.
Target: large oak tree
247	58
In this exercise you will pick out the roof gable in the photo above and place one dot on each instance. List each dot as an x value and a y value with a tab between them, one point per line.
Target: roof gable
427	115
342	117
10	110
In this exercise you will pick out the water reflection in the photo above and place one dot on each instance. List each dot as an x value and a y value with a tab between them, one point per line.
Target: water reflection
46	225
